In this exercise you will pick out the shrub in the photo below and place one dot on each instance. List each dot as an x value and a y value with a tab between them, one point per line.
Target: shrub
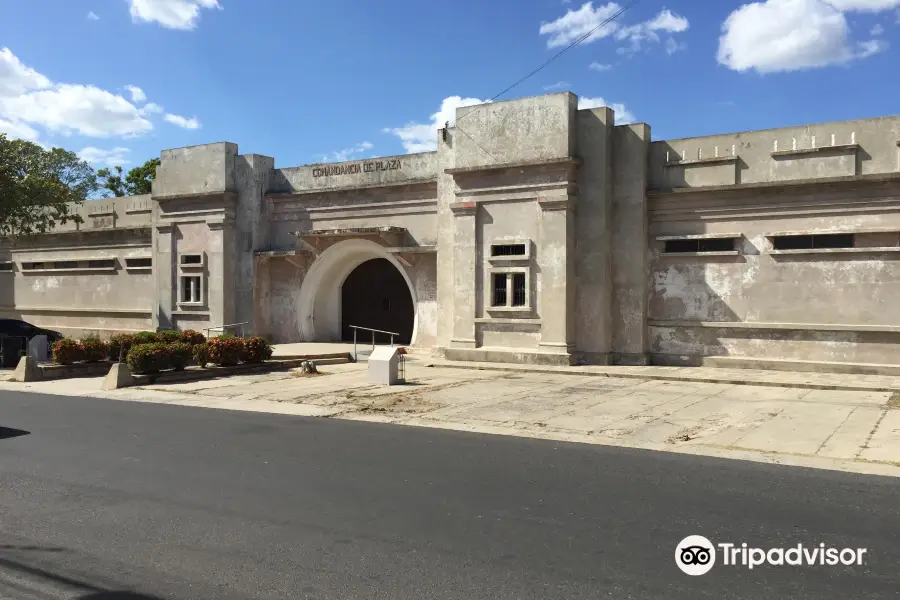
94	349
149	358
256	349
145	337
67	351
123	342
180	355
201	354
189	336
226	350
168	336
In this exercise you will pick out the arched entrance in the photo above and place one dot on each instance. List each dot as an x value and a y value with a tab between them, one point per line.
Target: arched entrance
375	295
320	306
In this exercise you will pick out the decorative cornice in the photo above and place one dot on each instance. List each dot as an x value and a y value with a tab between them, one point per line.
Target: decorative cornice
843	148
218	225
227	194
280	196
848	180
552	203
165	228
461	209
701	161
566	161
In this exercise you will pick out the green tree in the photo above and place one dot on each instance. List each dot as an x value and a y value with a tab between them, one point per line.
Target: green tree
110	183
137	181
38	185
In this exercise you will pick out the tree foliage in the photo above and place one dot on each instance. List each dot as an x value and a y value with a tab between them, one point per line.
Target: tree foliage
38	185
115	182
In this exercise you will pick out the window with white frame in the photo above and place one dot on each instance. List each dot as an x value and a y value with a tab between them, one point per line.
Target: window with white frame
191	270
508	285
509	289
191	289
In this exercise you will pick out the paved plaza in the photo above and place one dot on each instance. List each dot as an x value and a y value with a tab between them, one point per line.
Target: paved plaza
792	421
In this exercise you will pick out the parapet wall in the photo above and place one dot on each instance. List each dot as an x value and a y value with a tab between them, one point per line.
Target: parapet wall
789	154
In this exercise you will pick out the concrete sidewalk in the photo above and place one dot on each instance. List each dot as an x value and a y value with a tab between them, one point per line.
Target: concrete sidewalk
845	429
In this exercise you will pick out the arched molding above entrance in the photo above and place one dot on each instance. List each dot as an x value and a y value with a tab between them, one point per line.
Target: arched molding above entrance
319	301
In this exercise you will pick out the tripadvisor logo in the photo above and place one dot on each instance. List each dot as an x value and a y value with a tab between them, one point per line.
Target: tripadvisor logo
696	555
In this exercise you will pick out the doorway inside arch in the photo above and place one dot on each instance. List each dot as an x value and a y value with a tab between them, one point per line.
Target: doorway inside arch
375	295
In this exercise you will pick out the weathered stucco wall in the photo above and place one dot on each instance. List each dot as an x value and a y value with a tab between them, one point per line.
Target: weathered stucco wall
811	304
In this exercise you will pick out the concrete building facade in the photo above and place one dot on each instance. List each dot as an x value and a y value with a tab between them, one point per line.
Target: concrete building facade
536	232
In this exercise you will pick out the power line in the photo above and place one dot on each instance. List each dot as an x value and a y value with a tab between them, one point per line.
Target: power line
560	53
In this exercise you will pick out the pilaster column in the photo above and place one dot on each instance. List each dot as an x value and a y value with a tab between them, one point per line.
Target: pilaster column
465	256
556	258
164	276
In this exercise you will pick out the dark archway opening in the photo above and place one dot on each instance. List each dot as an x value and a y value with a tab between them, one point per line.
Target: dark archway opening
375	295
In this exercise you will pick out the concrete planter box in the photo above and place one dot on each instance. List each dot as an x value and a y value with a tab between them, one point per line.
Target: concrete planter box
200	373
32	371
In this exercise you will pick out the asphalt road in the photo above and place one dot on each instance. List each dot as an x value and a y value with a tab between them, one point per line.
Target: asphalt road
103	500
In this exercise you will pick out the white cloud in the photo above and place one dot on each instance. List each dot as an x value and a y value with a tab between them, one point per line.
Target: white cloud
784	35
673	46
19	131
419	137
92	16
623	115
173	14
577	23
151	108
878	29
556	86
347	153
137	94
29	102
595	66
16	78
864	5
666	20
82	109
788	35
99	156
183	122
870	47
648	31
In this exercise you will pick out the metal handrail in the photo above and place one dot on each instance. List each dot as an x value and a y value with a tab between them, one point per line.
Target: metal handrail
224	327
356	328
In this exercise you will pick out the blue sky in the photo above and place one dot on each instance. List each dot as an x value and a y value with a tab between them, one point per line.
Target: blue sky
119	80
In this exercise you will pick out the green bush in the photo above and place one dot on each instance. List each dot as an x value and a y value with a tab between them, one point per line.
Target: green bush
256	350
67	351
145	337
180	355
189	336
168	336
226	350
121	341
149	358
201	354
95	349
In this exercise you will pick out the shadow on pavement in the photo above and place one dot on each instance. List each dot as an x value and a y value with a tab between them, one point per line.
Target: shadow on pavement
8	432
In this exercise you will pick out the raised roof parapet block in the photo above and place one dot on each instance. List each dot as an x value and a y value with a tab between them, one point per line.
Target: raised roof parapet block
841	149
525	129
195	171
